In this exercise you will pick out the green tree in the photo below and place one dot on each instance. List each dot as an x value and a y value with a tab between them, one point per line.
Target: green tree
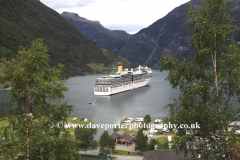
85	140
165	145
94	145
116	129
83	134
152	144
141	141
147	118
64	147
37	90
106	141
209	84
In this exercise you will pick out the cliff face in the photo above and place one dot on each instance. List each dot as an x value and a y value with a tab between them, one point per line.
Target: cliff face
167	36
110	40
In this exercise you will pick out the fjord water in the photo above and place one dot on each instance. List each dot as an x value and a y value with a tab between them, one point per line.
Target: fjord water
112	109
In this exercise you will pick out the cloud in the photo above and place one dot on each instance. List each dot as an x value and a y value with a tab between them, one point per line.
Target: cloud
58	4
128	15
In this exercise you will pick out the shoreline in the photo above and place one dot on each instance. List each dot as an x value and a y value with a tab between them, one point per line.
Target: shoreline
6	89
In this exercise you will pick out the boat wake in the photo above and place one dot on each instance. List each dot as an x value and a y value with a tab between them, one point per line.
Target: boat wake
93	103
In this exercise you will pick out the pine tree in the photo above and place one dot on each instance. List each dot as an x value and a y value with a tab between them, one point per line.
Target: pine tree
141	141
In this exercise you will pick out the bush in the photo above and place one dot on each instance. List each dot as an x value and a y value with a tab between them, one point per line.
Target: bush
6	85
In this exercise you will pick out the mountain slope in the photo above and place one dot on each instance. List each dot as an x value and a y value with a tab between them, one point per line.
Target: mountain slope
110	40
22	21
167	36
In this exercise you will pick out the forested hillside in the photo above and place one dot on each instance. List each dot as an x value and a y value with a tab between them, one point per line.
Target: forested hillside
22	21
168	36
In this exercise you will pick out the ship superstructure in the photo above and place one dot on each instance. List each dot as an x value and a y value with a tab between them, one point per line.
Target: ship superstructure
149	70
121	81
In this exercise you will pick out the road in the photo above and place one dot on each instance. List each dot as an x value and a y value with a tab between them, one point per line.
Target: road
119	157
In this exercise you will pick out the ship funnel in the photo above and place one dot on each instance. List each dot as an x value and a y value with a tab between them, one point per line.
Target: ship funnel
139	67
120	68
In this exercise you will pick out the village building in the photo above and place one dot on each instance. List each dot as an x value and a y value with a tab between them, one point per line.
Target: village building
127	140
120	138
121	133
164	154
116	136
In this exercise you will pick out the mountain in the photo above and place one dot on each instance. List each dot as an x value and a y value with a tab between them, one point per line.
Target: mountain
105	38
22	21
167	36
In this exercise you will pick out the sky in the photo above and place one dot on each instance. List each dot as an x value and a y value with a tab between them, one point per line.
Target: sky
128	15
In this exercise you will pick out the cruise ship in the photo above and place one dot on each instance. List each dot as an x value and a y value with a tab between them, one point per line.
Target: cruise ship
121	81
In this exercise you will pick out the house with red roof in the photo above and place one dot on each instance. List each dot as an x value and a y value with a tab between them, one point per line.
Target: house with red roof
121	138
128	140
116	136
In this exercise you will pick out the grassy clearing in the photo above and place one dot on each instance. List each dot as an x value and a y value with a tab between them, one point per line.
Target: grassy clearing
130	131
168	133
78	121
163	139
127	130
3	122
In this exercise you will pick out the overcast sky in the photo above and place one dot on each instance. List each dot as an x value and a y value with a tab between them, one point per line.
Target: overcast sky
128	15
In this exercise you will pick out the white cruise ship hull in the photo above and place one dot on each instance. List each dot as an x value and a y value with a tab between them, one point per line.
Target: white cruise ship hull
107	90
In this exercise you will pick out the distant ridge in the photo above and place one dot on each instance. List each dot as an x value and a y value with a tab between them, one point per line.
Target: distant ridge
22	21
111	40
167	36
